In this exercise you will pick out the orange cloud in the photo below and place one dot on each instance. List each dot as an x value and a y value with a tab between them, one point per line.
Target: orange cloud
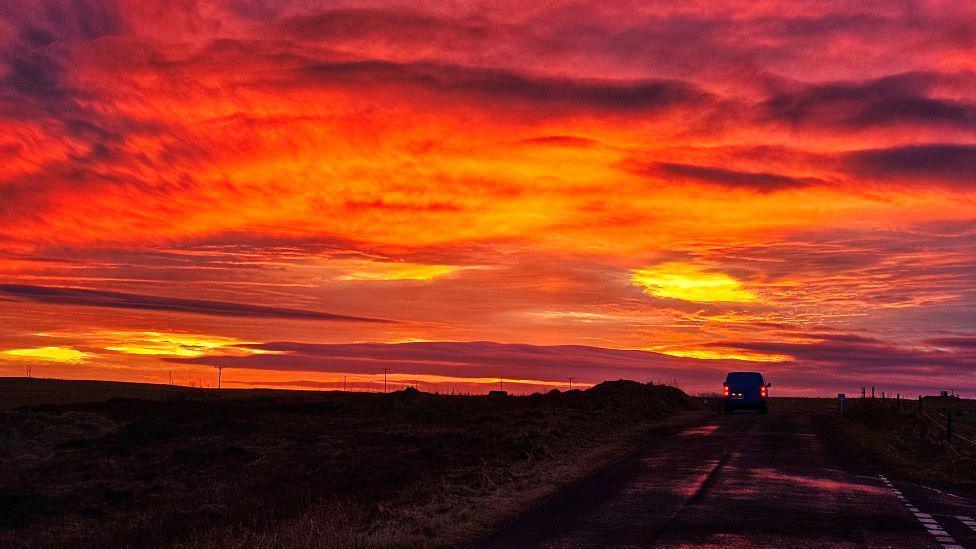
529	175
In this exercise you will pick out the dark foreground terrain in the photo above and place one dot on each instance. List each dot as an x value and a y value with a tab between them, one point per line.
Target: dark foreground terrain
311	469
108	465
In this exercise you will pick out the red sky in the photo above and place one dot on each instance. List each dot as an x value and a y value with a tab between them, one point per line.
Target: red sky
654	191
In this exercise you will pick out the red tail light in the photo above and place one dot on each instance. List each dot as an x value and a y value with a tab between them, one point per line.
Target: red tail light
725	390
762	391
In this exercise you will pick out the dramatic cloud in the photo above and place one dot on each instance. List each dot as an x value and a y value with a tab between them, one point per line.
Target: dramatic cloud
506	89
707	182
119	300
897	100
934	164
760	181
821	360
471	360
872	361
956	343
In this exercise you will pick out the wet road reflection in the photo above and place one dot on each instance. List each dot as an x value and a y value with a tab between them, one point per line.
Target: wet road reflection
742	479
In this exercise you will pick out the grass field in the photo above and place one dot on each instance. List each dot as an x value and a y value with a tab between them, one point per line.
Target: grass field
904	443
311	469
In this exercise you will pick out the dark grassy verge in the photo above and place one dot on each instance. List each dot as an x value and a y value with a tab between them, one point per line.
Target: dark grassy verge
312	470
896	439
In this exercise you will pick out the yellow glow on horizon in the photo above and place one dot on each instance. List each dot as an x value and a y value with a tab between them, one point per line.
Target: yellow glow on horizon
691	283
175	344
379	271
53	354
718	354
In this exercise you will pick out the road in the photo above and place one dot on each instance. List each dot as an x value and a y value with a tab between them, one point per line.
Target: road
782	480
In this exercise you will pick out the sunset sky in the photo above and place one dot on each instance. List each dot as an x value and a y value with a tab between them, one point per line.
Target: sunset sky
467	191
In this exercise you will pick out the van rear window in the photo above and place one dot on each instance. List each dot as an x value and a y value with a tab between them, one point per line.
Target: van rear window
744	378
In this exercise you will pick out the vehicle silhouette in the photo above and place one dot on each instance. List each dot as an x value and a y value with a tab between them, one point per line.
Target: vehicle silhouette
745	390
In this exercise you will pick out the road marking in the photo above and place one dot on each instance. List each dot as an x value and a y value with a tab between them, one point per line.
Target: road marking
939	491
968	521
931	525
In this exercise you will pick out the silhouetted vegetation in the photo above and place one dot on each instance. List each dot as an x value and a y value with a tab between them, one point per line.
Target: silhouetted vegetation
309	469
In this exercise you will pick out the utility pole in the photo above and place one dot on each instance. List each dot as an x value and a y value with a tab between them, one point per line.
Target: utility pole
220	371
385	370
29	368
571	383
343	383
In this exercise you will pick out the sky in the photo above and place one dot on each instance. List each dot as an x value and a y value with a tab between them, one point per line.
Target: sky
310	193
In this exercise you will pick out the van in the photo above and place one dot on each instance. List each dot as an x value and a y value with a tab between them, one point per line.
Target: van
745	390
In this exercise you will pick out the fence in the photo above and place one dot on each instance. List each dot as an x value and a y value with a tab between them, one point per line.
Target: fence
947	428
956	425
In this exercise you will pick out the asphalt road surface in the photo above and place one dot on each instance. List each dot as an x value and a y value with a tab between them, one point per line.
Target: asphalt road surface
781	480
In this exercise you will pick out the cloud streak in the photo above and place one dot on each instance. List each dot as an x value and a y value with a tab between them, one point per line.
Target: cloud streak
120	300
758	181
949	164
822	361
891	101
480	359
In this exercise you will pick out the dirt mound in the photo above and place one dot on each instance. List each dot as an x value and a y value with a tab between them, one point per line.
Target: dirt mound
648	400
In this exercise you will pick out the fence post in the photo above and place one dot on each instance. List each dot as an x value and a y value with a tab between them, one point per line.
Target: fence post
872	392
949	427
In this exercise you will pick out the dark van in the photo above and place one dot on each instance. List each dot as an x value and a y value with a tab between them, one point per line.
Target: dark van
747	390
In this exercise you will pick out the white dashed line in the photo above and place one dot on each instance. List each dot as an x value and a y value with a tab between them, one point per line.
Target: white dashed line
944	493
968	521
931	525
